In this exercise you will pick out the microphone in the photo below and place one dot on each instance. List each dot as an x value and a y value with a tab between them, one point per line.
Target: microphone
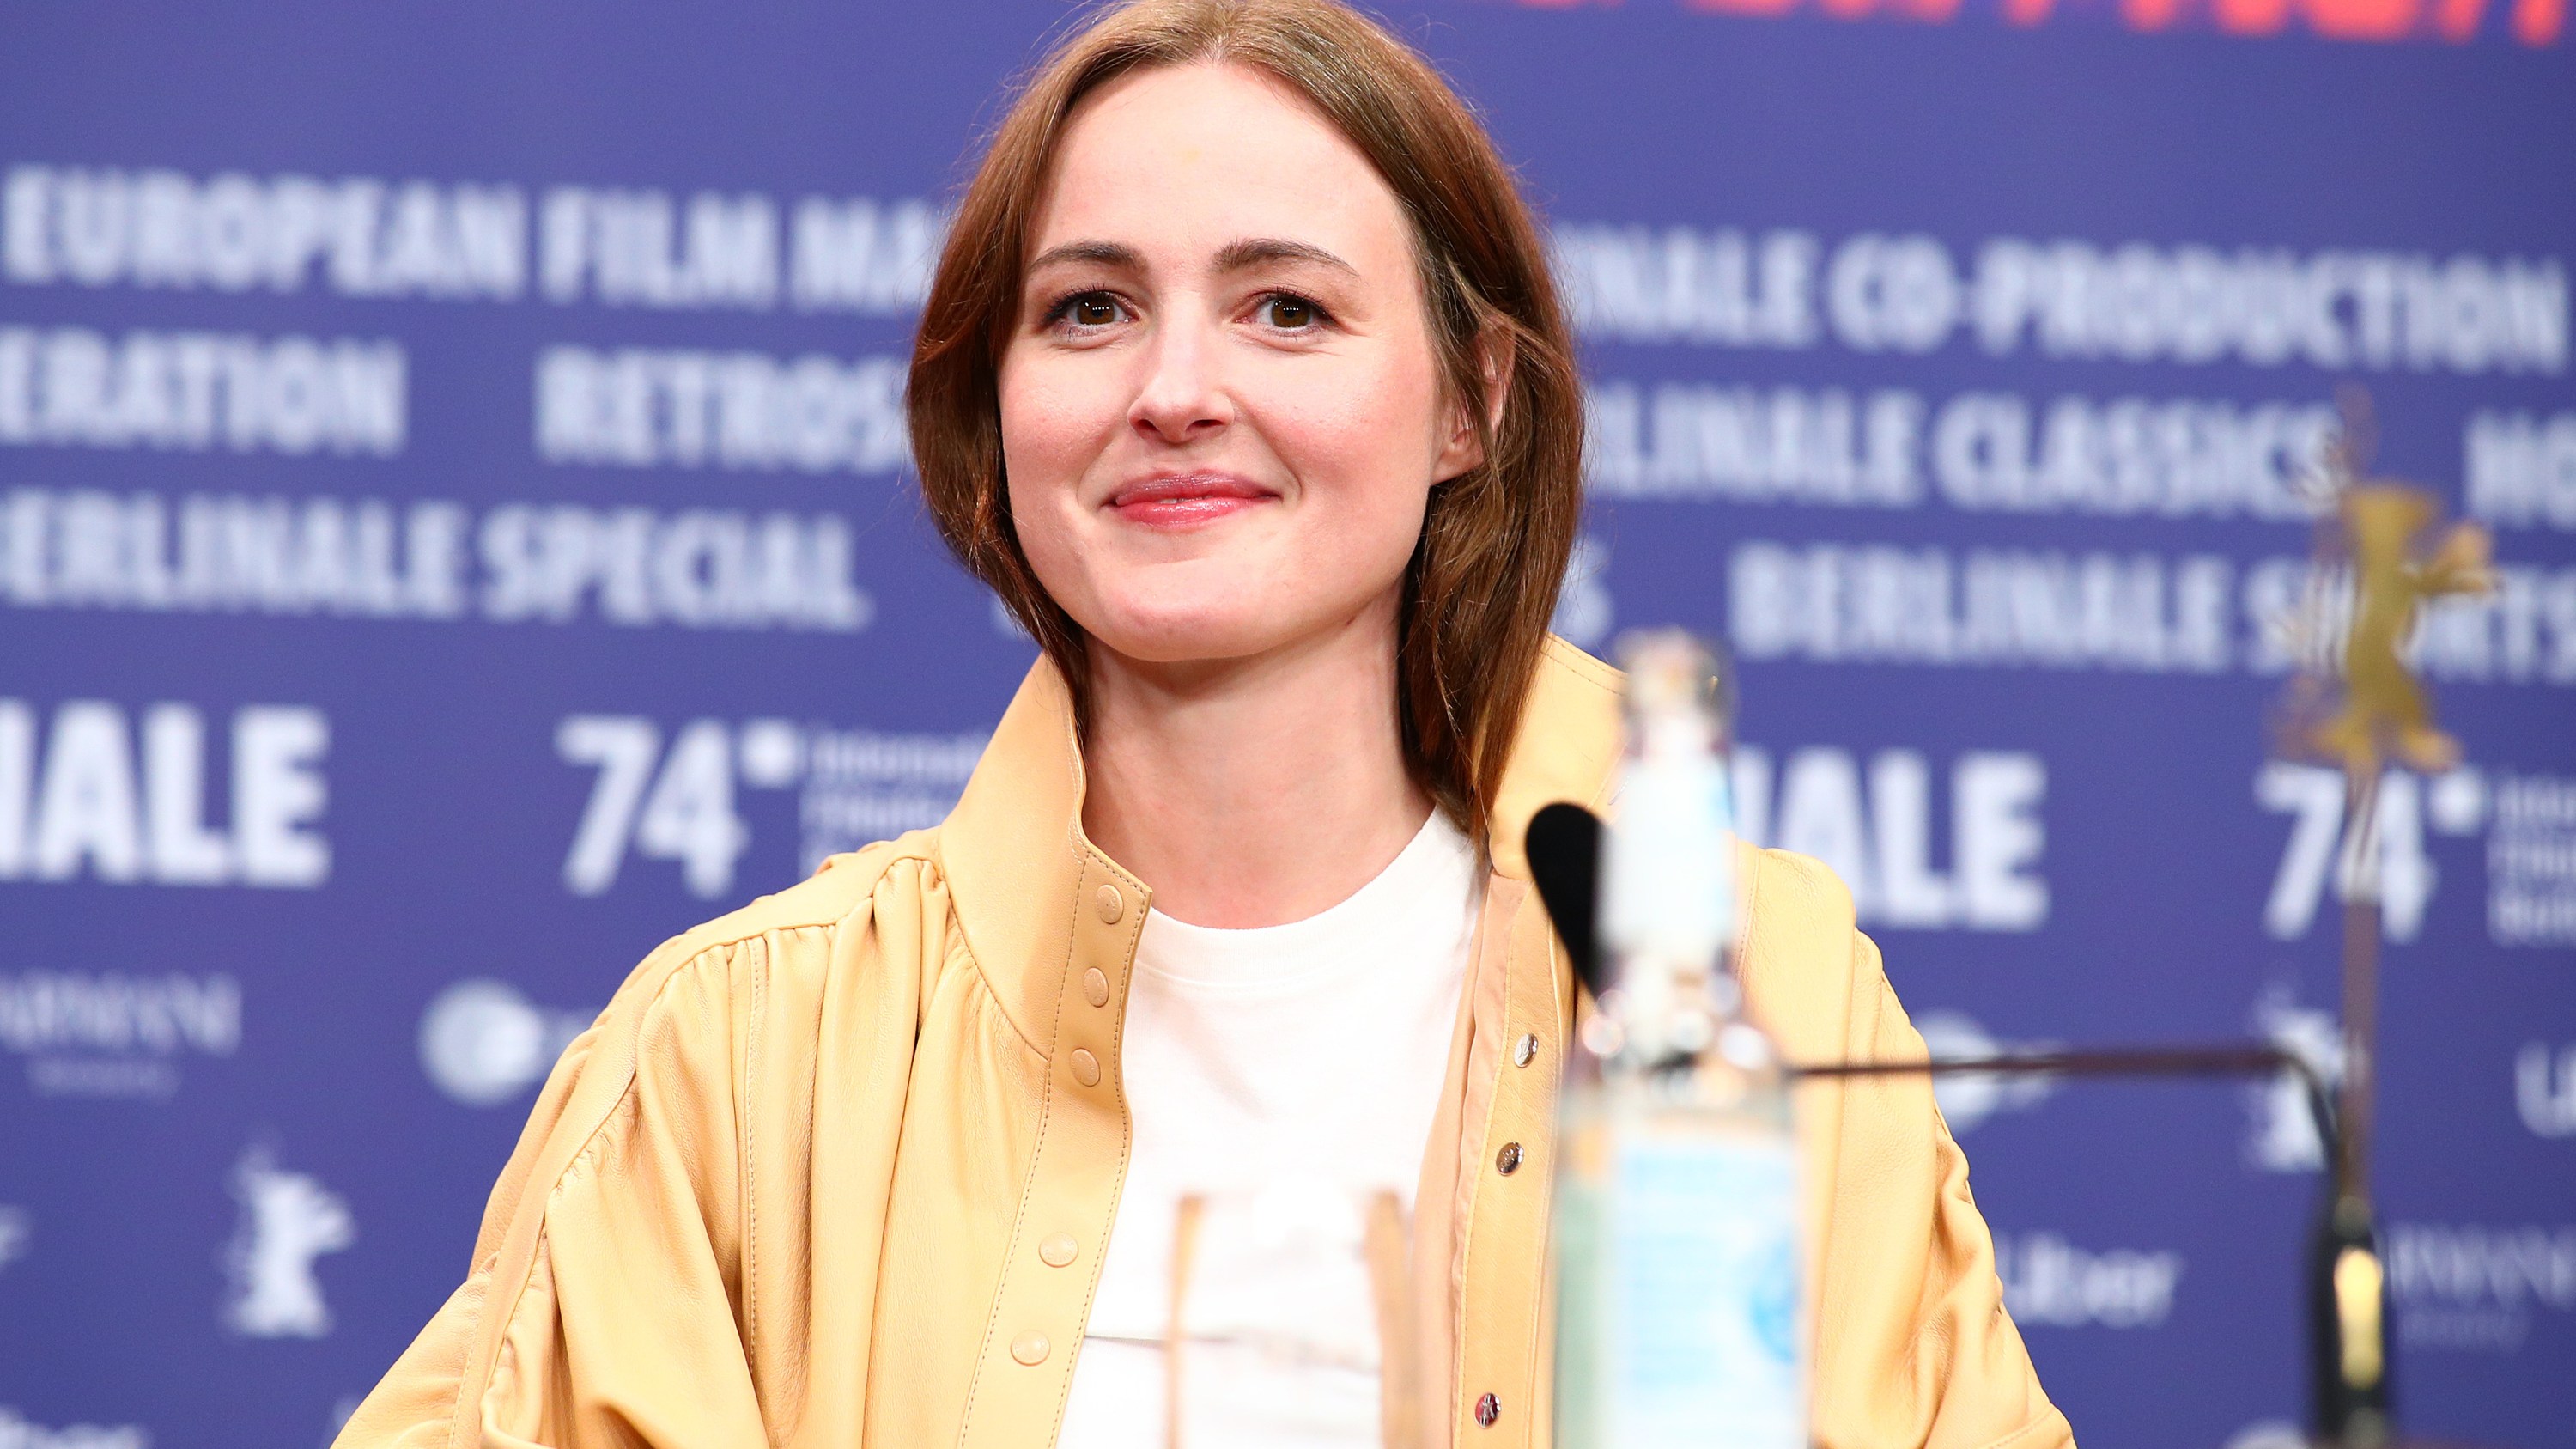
2349	1323
1564	847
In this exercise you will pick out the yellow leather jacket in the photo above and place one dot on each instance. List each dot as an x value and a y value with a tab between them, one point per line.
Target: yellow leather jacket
836	1169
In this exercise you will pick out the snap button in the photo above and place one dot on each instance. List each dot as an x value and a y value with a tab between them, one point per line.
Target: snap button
1525	1050
1112	906
1095	987
1031	1349
1057	1250
1086	1068
1488	1409
1509	1159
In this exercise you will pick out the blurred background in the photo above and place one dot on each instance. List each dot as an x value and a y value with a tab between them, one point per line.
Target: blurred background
455	531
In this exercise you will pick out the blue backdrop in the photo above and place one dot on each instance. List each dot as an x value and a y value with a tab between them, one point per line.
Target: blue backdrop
451	481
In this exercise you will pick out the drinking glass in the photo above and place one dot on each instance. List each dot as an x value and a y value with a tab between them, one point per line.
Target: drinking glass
1285	1321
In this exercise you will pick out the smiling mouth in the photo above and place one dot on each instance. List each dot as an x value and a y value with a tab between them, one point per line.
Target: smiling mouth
1186	499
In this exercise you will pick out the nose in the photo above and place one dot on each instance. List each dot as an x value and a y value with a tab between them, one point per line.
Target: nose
1181	398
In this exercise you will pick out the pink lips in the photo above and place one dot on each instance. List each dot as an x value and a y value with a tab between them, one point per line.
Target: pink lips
1186	500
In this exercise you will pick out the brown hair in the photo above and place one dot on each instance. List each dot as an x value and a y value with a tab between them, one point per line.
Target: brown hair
1484	576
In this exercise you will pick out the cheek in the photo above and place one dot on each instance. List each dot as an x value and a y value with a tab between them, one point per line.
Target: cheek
1051	422
1043	455
1055	423
1370	438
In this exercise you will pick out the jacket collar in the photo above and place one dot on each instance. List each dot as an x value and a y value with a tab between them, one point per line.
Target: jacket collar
1014	853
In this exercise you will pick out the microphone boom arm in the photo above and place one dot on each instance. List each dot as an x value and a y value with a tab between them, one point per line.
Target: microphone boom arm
2226	1059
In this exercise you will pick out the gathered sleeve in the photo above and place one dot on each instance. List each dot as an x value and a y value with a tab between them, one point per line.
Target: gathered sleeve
1913	1347
607	1302
1965	1373
602	1304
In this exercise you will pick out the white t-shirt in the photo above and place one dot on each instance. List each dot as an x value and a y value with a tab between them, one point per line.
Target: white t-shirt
1284	1076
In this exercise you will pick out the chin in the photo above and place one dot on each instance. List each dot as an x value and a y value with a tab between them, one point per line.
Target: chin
1237	607
1179	631
1186	640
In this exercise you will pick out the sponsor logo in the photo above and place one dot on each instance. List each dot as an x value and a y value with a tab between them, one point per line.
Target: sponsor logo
17	1231
2473	1289
2546	1097
1968	1099
288	1219
482	1043
18	1432
113	1035
2051	1283
2282	1130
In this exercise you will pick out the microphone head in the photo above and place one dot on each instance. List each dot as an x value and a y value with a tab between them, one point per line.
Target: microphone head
1564	847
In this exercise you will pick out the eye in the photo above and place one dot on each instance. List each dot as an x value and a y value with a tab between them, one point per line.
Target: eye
1086	311
1289	312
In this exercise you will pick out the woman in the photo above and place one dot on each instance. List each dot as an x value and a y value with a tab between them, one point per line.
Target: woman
1243	382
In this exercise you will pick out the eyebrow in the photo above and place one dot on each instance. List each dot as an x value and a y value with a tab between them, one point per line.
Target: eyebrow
1232	257
1258	251
1107	254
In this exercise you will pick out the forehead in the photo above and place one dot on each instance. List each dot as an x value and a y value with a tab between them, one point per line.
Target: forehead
1186	159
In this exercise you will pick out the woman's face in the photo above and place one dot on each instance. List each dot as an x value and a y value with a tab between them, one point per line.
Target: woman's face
1221	411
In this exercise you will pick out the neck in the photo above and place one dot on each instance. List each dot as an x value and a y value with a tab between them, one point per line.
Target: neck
1257	791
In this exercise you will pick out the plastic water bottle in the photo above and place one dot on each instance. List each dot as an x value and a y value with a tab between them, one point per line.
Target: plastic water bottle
1680	1318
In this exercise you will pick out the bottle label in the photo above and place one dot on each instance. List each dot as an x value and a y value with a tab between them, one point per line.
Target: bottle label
1702	1331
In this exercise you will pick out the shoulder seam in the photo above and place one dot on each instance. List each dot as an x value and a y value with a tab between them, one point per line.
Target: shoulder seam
704	937
1581	665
